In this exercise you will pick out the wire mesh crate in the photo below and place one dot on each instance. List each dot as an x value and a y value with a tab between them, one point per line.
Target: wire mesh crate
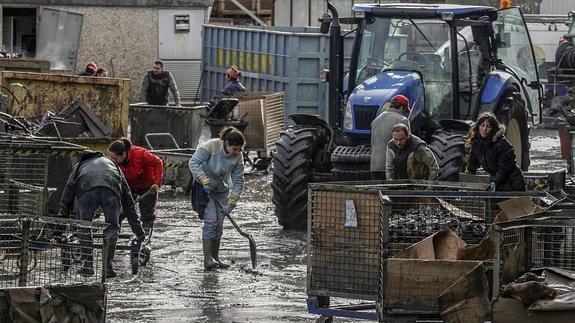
546	239
344	261
41	251
24	177
407	217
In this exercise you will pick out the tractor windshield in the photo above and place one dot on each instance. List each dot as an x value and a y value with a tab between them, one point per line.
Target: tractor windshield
410	44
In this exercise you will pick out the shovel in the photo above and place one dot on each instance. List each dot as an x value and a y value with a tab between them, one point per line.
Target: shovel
253	251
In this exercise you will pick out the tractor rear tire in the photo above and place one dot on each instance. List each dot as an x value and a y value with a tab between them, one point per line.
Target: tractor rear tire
292	165
449	150
512	113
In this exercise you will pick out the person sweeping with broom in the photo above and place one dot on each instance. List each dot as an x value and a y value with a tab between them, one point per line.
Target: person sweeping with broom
218	167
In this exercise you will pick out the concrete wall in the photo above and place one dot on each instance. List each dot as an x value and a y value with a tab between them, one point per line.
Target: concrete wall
122	40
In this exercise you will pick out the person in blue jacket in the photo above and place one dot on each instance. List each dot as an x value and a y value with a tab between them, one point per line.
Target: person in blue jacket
218	166
234	85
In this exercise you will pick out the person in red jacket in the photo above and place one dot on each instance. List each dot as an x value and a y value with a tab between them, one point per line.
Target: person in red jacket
143	171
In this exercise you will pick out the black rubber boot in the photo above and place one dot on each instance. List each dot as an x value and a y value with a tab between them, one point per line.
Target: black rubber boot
111	250
209	263
216	255
88	258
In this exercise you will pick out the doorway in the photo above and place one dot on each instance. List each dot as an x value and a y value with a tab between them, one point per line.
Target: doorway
19	30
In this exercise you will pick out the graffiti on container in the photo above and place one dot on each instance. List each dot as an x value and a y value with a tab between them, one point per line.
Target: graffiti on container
246	61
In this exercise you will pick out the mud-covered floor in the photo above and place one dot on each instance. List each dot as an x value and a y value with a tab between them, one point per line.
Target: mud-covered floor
175	288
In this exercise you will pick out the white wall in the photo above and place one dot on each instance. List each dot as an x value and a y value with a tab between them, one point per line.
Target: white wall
557	7
306	12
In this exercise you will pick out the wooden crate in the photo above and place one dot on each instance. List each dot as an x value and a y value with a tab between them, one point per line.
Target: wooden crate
264	113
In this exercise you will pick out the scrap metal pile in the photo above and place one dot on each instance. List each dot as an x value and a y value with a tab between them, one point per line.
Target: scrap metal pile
414	224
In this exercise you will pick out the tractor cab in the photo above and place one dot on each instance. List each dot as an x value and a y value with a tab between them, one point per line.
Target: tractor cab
451	61
445	58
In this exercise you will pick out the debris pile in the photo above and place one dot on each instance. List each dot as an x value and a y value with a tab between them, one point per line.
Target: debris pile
411	225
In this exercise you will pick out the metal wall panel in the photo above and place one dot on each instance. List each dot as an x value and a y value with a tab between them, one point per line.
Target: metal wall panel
306	12
180	45
59	38
557	7
286	59
187	75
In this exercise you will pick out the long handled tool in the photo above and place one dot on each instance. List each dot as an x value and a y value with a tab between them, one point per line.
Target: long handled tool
253	250
141	250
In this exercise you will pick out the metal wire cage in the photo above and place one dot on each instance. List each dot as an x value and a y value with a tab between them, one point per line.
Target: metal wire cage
543	240
407	217
24	165
343	258
41	251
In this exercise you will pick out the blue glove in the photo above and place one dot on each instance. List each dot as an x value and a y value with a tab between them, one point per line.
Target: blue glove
228	209
207	189
491	187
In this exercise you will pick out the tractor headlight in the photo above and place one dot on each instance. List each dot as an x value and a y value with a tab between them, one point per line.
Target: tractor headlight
347	119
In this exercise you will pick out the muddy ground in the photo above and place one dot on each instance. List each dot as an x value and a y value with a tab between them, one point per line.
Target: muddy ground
175	288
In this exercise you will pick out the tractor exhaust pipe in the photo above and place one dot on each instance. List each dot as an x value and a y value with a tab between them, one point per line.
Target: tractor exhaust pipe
335	86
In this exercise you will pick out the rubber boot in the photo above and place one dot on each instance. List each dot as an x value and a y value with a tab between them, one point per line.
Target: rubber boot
216	255
111	250
209	263
88	257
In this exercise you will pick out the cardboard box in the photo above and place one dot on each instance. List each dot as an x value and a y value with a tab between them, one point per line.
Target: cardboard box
467	299
413	285
506	310
440	245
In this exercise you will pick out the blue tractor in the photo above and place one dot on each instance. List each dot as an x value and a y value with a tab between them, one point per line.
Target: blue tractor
452	62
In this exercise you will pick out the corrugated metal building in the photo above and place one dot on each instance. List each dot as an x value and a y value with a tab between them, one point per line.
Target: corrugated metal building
556	7
123	36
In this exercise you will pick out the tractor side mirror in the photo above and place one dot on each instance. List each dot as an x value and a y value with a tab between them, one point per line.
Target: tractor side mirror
324	75
325	23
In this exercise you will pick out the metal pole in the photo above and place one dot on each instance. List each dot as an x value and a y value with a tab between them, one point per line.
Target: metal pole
497	233
24	253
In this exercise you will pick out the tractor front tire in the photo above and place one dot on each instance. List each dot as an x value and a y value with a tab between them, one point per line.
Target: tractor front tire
292	164
512	113
449	150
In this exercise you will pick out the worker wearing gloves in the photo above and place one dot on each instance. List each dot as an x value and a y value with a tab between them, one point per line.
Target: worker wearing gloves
489	149
218	166
144	171
96	181
155	86
408	157
397	113
234	85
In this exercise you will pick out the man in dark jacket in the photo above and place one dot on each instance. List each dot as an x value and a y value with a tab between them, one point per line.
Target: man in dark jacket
565	53
155	85
408	157
97	181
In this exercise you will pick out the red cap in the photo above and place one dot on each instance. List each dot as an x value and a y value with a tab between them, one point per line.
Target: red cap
403	100
91	66
233	73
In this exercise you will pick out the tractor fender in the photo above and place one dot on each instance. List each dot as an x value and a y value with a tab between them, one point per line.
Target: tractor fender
313	120
496	84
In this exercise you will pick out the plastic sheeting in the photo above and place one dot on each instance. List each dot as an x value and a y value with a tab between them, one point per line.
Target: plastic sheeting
78	303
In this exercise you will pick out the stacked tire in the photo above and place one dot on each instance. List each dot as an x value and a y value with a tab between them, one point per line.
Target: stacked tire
351	163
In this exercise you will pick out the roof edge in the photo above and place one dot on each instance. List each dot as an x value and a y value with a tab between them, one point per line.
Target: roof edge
114	3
